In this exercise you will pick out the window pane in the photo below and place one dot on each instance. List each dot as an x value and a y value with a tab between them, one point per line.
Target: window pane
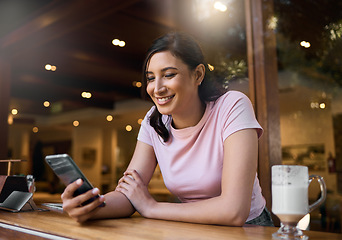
220	29
309	45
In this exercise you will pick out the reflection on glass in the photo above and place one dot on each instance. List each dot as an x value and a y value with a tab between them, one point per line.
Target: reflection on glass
220	31
309	46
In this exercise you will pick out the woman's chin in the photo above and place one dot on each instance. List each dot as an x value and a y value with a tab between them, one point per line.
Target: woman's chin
163	110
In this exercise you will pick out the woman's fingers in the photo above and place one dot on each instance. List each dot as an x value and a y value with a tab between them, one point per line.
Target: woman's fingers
80	199
130	183
83	213
73	205
71	188
133	174
125	184
133	187
126	178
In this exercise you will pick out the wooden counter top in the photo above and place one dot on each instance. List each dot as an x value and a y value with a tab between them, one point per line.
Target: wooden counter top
135	228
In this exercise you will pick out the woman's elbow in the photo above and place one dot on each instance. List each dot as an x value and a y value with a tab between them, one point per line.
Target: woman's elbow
235	218
238	221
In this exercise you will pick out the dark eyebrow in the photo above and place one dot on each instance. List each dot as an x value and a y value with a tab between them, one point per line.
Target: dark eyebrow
168	68
164	69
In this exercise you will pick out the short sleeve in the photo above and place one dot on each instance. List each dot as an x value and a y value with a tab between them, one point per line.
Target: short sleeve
237	114
144	134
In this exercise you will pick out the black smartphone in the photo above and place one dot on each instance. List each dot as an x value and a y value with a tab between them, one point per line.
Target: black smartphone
67	171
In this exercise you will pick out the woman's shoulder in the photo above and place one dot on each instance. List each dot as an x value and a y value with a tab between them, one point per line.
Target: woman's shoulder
231	97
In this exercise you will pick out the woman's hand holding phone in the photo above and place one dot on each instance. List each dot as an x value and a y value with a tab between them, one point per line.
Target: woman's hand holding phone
73	205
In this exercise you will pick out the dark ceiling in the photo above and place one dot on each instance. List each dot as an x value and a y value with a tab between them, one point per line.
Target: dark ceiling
76	35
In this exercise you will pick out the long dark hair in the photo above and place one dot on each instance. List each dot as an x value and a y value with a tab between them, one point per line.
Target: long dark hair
184	47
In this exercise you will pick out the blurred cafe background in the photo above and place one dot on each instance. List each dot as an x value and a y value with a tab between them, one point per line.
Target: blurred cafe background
70	82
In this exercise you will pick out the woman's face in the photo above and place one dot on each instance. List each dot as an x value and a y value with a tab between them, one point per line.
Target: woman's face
172	86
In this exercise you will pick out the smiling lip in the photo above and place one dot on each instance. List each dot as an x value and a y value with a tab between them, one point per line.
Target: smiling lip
164	100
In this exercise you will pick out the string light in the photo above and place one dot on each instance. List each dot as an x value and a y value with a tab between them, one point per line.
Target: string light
86	94
137	84
49	67
46	104
316	105
109	118
117	42
305	44
35	129
129	128
14	111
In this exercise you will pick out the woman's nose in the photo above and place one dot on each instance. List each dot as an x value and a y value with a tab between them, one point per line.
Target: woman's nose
159	86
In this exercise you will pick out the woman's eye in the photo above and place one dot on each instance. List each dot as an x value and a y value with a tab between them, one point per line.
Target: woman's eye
170	75
150	79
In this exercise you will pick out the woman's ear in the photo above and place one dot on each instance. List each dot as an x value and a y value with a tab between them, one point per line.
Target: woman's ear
199	73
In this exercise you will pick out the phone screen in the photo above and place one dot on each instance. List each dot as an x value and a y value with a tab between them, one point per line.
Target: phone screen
68	172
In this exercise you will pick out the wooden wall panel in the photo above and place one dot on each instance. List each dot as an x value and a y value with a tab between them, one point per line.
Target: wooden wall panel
263	76
5	74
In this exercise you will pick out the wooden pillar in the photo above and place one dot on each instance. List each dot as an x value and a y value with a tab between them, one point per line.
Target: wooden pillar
263	76
5	73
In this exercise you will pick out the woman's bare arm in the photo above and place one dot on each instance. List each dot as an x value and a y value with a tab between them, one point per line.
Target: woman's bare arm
117	204
230	208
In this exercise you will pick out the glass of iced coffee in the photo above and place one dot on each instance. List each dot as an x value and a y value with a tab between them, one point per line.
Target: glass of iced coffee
290	198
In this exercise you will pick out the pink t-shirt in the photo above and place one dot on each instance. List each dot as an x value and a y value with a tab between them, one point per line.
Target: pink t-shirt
191	161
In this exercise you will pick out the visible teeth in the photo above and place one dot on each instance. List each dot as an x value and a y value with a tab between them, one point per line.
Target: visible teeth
164	99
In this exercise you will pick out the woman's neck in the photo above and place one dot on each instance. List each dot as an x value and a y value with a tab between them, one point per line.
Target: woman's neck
190	118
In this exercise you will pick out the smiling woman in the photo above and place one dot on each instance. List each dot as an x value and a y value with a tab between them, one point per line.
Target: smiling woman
170	84
214	180
181	60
